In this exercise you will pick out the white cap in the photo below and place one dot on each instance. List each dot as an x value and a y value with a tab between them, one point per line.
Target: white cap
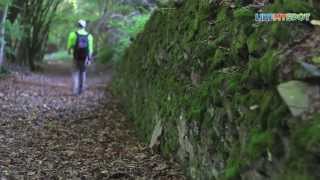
82	23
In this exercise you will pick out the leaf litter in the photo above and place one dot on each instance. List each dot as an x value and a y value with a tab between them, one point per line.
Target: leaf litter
47	133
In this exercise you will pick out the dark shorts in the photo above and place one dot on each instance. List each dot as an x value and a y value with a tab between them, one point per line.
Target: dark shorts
80	65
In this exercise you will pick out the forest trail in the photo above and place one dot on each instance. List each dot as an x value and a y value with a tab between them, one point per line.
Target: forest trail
47	133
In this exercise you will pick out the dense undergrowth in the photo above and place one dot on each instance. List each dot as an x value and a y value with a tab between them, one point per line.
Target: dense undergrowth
128	27
209	73
4	71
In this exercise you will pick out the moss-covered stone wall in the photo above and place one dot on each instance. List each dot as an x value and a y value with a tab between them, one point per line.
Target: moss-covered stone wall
207	74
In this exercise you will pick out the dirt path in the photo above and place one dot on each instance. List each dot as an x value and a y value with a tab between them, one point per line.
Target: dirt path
47	133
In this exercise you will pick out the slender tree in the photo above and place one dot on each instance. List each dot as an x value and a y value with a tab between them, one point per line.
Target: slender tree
37	16
4	14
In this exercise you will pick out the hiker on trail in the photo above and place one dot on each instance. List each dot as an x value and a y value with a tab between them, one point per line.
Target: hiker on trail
81	43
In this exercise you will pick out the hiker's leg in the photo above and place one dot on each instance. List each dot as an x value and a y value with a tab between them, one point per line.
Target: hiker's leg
76	82
80	82
84	79
84	75
75	77
81	77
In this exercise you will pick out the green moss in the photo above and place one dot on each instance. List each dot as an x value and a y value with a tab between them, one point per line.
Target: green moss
263	71
232	172
171	139
280	33
293	175
244	14
223	17
234	164
289	6
308	137
233	111
260	142
295	169
255	44
194	28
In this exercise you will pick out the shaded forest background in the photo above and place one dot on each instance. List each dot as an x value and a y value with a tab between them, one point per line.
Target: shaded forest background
33	31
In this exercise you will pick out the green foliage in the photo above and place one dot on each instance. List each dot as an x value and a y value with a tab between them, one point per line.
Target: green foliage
4	71
60	56
68	15
138	25
83	9
14	34
3	3
105	54
64	22
130	29
71	11
121	8
36	18
14	30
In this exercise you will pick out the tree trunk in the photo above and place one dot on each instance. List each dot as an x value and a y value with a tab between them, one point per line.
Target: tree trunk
2	34
14	10
36	18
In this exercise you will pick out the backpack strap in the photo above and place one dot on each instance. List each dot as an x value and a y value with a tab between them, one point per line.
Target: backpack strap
77	33
77	38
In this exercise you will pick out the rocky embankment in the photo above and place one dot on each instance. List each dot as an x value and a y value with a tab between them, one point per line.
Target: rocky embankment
228	97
